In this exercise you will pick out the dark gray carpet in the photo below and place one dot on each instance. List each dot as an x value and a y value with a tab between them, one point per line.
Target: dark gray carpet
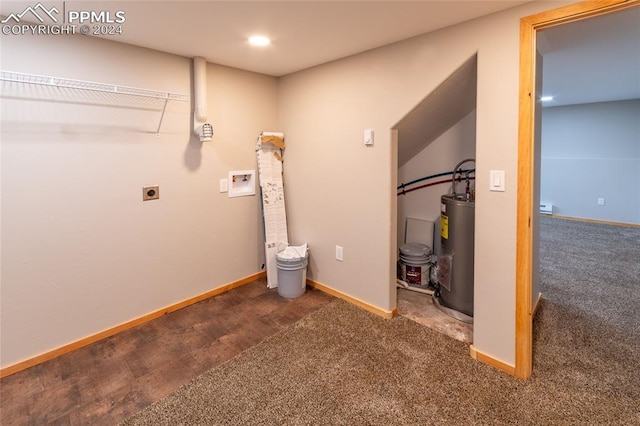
592	269
342	365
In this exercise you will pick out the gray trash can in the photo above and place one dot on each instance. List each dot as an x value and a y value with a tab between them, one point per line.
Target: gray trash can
292	274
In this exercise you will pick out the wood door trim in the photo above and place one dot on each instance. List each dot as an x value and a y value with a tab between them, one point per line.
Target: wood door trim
524	233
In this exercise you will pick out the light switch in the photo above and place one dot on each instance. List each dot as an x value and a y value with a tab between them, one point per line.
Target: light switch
224	185
496	180
368	137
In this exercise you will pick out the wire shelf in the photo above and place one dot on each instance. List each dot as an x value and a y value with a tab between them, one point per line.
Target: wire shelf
44	80
124	91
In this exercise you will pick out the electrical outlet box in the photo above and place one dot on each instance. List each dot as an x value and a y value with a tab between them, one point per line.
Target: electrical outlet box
224	185
546	208
601	201
339	253
150	192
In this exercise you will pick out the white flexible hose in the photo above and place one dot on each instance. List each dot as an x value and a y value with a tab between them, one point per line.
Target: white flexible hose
404	285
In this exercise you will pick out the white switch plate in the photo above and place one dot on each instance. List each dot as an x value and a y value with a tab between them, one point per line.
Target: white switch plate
224	185
368	137
339	253
601	201
497	180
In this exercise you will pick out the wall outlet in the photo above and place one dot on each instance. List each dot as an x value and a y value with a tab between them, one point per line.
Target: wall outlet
224	185
339	253
150	192
601	201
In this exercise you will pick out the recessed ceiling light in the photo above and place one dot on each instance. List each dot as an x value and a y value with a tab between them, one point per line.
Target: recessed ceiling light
546	98
259	40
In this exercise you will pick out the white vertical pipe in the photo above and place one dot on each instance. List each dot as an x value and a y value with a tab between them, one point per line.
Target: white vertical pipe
200	88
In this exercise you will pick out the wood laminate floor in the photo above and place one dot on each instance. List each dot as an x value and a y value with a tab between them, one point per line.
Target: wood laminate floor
107	381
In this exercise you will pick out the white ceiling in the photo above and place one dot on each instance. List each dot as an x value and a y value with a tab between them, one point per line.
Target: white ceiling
303	33
592	60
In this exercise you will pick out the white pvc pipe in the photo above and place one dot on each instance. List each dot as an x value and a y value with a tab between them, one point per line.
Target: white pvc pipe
404	285
200	88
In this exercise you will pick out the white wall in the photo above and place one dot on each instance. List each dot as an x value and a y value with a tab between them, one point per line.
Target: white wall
344	193
592	151
81	252
441	155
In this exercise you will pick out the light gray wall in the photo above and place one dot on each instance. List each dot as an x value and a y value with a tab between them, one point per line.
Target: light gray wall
74	263
592	151
81	252
343	193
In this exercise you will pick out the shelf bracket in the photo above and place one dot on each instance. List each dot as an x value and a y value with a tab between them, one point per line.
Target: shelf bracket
164	108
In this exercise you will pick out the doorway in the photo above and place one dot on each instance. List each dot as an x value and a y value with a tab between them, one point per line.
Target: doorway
529	162
432	138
